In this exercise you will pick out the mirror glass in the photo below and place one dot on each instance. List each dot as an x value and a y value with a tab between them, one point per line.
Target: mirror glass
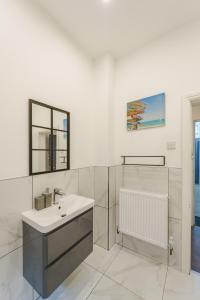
41	161
49	138
60	139
41	116
59	120
60	160
41	138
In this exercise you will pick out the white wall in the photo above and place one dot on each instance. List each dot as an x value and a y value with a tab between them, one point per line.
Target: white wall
170	64
196	112
104	68
37	61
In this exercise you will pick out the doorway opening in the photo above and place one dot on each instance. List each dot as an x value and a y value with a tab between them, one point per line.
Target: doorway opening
197	173
196	220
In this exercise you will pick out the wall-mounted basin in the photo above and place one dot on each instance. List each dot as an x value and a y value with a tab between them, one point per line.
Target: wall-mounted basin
52	217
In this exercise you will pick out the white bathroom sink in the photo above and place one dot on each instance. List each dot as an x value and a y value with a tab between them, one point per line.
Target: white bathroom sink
52	217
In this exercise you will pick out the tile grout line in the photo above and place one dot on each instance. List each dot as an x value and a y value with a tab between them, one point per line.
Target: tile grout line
165	284
94	286
93	267
105	275
112	261
72	169
112	279
10	252
103	272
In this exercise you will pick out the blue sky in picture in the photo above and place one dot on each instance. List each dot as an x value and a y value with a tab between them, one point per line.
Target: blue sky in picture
65	124
155	107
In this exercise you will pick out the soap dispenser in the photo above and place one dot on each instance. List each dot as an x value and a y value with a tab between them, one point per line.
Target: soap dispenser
47	197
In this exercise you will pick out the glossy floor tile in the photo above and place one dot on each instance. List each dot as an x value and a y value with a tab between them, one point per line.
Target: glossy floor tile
101	259
109	290
141	276
120	274
180	286
12	284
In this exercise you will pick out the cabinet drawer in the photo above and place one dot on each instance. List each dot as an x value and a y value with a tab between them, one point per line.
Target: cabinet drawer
65	237
57	273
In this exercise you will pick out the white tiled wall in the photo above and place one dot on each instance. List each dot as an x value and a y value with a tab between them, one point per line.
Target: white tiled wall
175	231
175	193
175	215
101	226
112	226
150	179
112	207
101	206
67	181
100	184
105	206
86	182
157	254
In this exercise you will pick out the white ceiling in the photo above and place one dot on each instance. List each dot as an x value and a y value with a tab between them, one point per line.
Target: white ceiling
119	26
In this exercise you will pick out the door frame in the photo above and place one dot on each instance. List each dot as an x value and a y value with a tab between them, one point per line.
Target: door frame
187	177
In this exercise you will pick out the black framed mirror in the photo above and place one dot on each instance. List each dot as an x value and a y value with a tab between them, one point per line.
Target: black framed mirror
49	138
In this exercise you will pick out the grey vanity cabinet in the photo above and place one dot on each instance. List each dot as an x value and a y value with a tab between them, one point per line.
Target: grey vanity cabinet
49	258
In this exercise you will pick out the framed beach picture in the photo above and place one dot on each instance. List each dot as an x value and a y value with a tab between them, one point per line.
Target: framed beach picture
146	113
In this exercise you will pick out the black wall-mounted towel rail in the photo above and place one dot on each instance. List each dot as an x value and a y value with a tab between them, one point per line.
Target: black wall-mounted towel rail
161	164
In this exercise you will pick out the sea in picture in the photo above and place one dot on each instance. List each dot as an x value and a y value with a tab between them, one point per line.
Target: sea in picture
152	123
146	113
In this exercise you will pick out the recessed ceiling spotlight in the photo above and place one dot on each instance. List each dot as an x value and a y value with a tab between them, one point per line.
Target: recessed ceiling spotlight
106	1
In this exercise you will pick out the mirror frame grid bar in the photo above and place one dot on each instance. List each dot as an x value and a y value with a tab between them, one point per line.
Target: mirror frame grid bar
40	149
43	127
60	130
30	136
51	150
51	153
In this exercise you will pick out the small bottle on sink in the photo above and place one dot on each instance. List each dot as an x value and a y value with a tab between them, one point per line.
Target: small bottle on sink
39	202
47	197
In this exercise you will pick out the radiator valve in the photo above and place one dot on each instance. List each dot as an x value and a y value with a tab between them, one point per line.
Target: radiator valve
171	245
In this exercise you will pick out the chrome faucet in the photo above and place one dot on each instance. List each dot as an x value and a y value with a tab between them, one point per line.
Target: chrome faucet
59	192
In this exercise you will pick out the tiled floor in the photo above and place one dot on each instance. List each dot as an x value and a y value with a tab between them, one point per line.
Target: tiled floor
121	275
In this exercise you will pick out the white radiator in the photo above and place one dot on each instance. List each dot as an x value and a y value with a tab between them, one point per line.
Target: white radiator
145	216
